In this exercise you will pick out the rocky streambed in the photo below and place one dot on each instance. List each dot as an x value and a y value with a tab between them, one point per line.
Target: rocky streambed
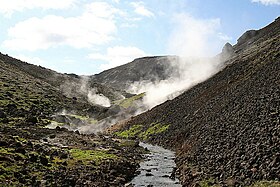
157	169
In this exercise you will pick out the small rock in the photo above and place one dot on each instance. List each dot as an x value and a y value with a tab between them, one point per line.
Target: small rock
32	120
149	174
52	136
63	155
20	150
120	180
3	143
254	170
44	160
33	157
231	182
2	114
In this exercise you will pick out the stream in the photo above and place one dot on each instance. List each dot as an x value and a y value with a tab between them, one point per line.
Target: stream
156	169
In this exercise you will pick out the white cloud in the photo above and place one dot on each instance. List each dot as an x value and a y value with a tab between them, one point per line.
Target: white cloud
31	60
196	37
224	37
118	55
9	7
139	8
116	1
267	2
96	26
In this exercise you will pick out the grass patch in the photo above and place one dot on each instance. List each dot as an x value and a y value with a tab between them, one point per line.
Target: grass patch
7	172
128	143
207	183
6	150
86	156
83	118
266	184
128	102
20	139
131	132
156	128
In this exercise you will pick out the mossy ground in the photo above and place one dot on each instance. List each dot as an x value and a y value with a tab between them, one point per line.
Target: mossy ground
131	132
86	156
129	102
140	131
266	184
155	128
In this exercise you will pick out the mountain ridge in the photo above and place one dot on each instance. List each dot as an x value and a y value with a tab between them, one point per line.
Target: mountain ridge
150	68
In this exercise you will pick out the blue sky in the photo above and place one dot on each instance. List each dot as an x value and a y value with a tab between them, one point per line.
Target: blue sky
88	36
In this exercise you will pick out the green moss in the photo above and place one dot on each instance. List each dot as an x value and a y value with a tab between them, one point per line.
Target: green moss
56	123
86	156
128	102
131	132
11	152
135	130
9	170
128	143
79	117
266	184
5	150
20	139
156	128
5	102
207	183
92	121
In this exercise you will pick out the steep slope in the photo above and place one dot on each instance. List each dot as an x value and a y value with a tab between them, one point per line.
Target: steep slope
226	130
147	68
71	85
22	94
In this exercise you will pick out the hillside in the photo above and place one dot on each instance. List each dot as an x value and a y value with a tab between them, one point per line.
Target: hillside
69	84
225	130
33	155
141	69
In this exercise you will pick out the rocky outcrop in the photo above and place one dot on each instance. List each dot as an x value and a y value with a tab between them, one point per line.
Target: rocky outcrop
248	35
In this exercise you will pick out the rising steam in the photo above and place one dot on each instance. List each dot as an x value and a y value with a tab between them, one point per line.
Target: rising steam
83	88
190	72
193	40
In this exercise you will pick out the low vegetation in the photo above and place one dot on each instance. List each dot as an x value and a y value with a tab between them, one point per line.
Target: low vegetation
266	184
87	156
142	133
155	128
131	132
129	102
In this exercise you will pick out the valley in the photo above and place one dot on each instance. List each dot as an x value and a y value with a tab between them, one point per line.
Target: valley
221	128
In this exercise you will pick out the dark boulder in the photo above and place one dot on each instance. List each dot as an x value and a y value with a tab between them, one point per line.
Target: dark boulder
2	114
44	160
32	119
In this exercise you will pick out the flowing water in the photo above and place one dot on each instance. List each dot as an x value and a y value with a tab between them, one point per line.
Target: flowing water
157	168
